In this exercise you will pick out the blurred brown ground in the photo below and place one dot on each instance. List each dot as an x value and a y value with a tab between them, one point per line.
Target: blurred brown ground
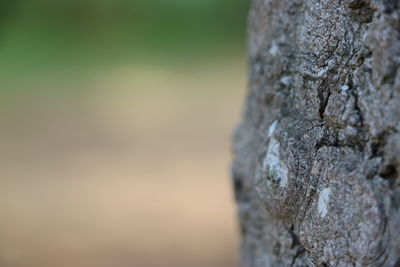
131	171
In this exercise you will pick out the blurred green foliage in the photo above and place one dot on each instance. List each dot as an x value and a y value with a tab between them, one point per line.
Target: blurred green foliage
44	35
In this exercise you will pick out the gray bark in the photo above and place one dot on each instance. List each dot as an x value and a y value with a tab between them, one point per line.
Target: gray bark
317	153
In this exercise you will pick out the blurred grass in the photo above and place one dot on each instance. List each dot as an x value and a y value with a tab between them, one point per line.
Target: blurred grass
64	35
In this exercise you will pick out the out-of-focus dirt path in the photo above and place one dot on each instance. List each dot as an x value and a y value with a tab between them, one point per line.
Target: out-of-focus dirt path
133	172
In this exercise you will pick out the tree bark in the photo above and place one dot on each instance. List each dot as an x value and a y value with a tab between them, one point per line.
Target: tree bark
317	153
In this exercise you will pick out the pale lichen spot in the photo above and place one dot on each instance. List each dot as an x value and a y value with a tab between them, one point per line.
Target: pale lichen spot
273	165
323	201
274	50
345	87
272	128
286	80
322	72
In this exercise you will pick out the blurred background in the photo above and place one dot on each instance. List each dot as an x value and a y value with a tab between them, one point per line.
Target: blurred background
116	118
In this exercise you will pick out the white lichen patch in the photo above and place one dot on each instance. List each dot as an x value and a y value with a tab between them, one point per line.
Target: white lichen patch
273	165
286	80
345	88
323	201
272	128
322	72
274	50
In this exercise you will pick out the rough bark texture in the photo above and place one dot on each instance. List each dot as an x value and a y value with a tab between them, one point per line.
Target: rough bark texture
317	153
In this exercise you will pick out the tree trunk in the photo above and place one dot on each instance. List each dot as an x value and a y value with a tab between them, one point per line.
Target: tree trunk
317	153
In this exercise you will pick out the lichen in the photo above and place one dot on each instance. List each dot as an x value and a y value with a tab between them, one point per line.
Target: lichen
272	128
274	50
273	165
323	202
